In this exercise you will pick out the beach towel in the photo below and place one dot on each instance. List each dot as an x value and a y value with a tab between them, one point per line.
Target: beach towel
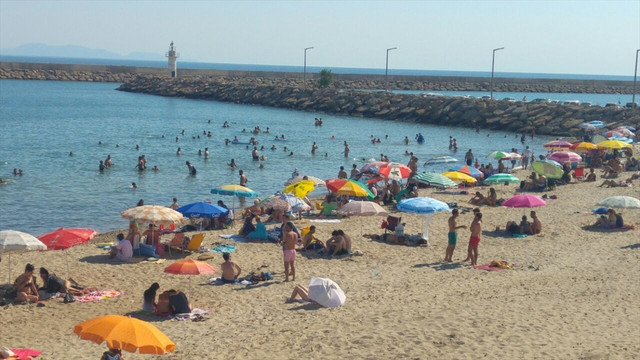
25	354
234	237
487	267
97	296
224	249
325	220
495	265
194	315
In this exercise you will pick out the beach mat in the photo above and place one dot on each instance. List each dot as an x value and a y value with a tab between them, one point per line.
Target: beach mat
326	220
487	267
224	249
234	237
97	296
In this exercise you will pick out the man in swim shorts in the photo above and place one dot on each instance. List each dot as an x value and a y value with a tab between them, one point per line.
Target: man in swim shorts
290	240
474	239
229	275
453	235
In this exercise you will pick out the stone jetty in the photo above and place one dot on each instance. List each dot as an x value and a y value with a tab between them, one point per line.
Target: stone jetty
544	118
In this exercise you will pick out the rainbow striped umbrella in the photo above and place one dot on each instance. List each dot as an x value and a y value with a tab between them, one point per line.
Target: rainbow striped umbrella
349	187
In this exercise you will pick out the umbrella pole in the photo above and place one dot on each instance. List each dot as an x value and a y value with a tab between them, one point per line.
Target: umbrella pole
9	255
189	287
426	229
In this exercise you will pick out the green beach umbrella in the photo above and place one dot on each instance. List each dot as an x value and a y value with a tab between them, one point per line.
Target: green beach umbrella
501	179
435	179
547	168
497	155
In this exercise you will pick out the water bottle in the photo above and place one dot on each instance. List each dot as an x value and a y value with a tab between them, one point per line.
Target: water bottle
376	271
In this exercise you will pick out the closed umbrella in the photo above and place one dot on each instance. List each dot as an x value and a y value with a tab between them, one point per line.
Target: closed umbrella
326	292
11	240
548	168
620	202
189	267
126	333
423	205
435	180
565	157
62	239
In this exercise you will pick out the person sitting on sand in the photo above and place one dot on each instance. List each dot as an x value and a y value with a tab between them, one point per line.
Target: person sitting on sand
478	199
247	227
178	302
24	288
491	198
301	291
613	168
310	242
336	244
112	354
609	221
591	177
632	165
152	235
542	182
123	251
229	268
536	224
149	298
260	232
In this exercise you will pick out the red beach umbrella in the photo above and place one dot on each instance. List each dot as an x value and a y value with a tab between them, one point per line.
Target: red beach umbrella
190	267
394	171
65	238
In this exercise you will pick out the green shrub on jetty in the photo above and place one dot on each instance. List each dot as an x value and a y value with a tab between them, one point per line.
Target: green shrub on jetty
326	78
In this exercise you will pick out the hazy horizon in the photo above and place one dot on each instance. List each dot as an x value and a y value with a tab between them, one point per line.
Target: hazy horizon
562	37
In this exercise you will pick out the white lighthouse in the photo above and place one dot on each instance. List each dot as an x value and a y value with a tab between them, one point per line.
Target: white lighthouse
173	57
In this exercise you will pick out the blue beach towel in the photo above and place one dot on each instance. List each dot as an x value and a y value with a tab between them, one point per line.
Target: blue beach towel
234	237
224	249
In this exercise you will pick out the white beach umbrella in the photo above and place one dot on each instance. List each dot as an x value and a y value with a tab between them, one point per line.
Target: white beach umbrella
11	240
326	292
317	182
153	214
620	202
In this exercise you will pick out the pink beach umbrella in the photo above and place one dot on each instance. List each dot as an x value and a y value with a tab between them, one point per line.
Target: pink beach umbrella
524	201
557	144
565	157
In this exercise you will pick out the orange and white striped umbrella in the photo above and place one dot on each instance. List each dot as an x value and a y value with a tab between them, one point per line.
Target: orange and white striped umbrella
153	214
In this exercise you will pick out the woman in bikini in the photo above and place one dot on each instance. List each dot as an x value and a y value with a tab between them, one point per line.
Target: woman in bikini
25	288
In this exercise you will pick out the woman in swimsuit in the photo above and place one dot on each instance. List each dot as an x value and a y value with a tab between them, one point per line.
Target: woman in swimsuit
25	287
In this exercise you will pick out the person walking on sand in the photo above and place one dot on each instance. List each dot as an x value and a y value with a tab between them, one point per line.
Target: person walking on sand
453	235
474	239
243	178
290	239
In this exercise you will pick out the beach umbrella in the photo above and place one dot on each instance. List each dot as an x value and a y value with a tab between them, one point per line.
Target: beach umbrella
613	145
278	203
501	179
597	123
423	205
326	292
394	171
612	133
468	170
565	157
62	239
583	146
362	208
587	126
435	180
459	177
628	127
373	166
625	132
300	189
620	202
153	214
202	210
235	191
524	201
557	144
189	267
349	187
498	155
442	159
11	240
295	202
317	182
126	333
549	168
622	139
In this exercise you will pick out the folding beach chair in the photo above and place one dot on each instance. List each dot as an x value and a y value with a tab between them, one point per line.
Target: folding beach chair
176	242
196	241
578	173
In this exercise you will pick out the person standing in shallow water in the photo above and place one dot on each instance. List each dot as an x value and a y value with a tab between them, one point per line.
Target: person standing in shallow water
192	169
468	157
243	178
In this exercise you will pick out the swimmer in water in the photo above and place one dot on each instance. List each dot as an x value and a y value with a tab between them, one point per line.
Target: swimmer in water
182	131
99	142
155	168
263	158
199	152
101	166
244	130
326	154
134	186
273	147
226	142
177	139
117	145
206	153
137	147
179	152
291	153
285	149
261	166
235	139
232	164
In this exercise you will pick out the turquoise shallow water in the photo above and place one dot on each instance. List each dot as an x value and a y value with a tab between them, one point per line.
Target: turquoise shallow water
41	122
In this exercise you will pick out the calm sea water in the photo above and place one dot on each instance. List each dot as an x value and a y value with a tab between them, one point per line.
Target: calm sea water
41	122
312	69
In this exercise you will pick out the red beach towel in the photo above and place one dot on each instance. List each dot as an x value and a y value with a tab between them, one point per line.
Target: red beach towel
25	354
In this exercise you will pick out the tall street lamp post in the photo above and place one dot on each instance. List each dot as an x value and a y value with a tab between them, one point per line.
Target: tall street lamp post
386	70
304	76
635	73
493	60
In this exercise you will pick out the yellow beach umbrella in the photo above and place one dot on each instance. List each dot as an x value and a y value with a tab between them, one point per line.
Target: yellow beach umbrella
613	144
126	333
300	189
459	177
583	146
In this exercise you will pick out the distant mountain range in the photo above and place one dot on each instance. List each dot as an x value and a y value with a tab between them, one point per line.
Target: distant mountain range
75	51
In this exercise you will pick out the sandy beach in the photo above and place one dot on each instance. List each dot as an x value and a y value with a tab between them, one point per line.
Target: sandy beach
572	295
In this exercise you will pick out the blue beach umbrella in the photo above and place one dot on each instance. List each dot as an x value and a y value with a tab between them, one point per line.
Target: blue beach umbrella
423	205
234	190
597	123
202	210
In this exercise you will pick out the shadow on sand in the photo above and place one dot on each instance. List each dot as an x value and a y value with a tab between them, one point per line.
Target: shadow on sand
440	265
631	247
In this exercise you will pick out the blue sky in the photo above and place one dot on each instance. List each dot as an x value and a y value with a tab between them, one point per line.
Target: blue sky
579	37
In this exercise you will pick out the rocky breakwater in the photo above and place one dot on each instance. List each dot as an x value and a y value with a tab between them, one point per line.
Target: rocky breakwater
548	119
63	75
